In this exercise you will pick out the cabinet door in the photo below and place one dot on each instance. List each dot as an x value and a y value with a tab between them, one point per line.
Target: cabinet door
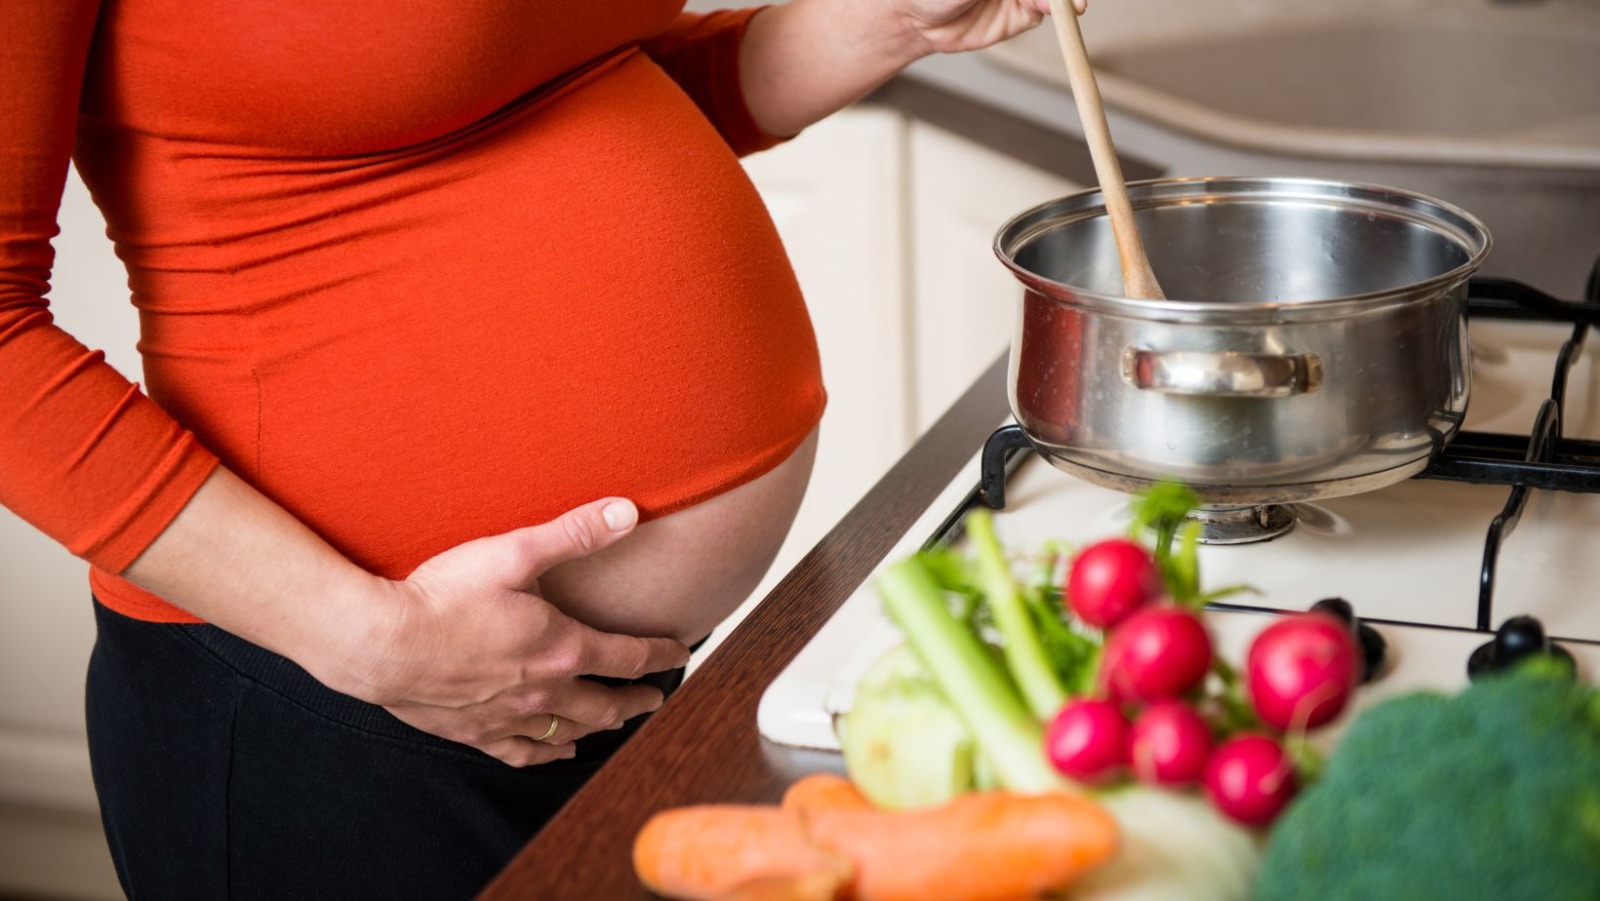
965	304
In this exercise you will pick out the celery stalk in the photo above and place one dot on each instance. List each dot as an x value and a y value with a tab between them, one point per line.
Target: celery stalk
1025	653
972	681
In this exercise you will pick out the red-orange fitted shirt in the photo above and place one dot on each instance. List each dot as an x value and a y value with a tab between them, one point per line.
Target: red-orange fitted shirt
420	271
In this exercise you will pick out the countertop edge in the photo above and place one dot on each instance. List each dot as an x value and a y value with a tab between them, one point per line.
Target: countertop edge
702	746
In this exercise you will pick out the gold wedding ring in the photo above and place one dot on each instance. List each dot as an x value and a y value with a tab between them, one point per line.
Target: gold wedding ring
554	722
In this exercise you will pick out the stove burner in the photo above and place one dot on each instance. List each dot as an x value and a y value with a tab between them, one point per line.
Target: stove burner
1224	524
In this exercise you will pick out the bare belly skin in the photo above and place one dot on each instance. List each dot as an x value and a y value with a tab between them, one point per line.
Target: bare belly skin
682	574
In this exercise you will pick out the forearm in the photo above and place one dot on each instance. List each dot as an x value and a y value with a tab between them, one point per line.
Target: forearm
806	59
236	559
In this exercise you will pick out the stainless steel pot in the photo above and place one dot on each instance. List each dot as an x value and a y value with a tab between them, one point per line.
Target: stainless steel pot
1313	344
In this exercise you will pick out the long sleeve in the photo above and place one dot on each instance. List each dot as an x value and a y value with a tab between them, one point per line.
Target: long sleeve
84	455
701	53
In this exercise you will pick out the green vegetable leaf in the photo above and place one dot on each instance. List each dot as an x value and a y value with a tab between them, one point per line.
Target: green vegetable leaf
1164	510
973	683
1073	654
1025	653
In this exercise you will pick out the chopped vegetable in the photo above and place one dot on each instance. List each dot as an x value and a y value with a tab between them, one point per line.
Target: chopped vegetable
1493	793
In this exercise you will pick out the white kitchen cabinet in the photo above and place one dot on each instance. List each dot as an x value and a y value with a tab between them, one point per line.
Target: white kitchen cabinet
837	196
965	300
889	224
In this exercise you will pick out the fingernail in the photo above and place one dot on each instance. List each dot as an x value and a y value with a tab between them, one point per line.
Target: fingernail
619	515
570	752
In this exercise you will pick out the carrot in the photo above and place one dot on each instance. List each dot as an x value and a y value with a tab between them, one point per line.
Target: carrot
812	887
991	846
825	791
988	846
708	850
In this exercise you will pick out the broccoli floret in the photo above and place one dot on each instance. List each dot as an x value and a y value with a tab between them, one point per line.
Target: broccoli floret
1494	793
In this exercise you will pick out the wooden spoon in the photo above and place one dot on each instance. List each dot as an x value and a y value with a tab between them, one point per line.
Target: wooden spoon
1137	278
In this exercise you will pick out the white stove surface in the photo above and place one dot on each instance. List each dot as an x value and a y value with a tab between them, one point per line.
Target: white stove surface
1411	553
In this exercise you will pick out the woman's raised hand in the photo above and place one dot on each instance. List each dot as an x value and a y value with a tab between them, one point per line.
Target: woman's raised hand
952	26
474	654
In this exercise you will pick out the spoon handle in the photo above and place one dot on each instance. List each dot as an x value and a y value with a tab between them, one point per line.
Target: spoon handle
1137	278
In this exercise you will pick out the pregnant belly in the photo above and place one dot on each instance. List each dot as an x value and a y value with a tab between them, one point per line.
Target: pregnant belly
682	574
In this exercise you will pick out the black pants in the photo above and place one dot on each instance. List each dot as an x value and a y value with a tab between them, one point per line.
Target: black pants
226	771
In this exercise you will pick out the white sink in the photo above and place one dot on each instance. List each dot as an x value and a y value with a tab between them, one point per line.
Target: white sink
1513	84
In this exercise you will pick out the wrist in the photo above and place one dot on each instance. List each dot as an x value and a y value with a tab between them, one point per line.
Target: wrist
901	37
803	60
354	645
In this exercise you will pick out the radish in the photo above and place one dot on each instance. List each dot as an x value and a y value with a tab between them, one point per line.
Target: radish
1302	670
1088	740
1158	652
1250	778
1169	744
1110	579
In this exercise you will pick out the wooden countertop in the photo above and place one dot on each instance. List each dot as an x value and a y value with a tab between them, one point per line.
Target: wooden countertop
702	746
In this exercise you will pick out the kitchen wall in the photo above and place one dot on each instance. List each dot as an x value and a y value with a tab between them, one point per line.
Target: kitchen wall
50	839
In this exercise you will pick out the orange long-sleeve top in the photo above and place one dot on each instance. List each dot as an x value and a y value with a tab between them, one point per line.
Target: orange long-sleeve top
420	271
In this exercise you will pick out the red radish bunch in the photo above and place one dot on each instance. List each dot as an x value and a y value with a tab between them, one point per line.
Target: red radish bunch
1302	669
1159	652
1111	579
1250	778
1088	740
1153	713
1169	745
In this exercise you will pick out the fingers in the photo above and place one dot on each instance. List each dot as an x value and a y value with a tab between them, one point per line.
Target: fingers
629	657
519	751
592	707
576	533
589	708
1078	6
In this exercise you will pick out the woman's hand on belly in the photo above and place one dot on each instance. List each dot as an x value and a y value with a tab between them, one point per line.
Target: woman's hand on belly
475	654
682	574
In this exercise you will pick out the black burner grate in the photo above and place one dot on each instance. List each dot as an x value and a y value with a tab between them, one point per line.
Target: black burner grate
1542	458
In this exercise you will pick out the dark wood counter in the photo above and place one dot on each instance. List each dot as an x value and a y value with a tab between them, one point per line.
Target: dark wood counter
702	745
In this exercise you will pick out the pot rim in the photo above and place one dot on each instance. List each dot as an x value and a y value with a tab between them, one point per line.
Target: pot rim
1447	219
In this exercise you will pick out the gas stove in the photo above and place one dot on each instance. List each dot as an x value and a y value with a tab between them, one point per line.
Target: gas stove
1503	524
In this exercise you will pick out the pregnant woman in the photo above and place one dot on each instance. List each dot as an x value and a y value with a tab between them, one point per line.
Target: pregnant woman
477	387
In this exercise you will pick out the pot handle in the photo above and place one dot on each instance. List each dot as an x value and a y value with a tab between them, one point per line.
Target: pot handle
1221	373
